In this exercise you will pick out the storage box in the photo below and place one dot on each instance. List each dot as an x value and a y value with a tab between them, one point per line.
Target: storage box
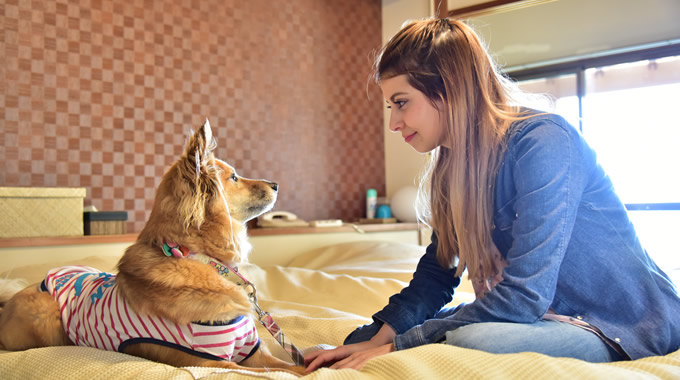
41	211
105	222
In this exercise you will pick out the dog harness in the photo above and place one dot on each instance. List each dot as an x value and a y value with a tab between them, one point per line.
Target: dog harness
94	314
231	273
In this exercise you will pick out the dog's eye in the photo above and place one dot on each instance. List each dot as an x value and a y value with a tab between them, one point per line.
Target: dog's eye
234	177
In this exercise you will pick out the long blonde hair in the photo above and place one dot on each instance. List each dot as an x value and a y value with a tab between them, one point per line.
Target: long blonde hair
445	60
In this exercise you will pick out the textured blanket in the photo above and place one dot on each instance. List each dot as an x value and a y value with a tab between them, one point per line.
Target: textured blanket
318	298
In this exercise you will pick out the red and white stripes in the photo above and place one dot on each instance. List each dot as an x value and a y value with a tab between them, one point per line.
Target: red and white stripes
95	315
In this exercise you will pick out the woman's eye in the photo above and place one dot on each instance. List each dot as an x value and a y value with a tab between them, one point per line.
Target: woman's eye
234	178
399	103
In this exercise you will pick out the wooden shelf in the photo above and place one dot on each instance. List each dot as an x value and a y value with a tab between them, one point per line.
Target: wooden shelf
130	238
347	227
66	240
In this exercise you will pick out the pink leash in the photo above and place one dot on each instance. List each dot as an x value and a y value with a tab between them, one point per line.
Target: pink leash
232	274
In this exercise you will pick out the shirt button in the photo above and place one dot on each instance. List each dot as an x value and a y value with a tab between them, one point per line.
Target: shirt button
618	340
579	317
517	215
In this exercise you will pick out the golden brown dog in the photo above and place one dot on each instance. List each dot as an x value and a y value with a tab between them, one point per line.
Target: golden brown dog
202	205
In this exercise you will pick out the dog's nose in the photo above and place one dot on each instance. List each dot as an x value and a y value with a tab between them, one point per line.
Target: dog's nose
274	186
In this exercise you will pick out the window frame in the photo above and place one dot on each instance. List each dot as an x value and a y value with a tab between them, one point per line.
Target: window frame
579	65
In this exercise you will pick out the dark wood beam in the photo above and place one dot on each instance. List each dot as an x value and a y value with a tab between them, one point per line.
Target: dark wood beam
496	6
479	7
442	8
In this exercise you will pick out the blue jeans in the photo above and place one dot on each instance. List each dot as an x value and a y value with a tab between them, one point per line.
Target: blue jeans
552	338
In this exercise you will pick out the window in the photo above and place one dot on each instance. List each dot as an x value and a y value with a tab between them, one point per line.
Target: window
562	90
627	111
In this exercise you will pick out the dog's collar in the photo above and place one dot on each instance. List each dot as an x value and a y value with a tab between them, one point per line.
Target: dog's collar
172	249
231	273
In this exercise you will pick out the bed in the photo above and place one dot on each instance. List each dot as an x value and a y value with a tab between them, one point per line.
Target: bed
318	298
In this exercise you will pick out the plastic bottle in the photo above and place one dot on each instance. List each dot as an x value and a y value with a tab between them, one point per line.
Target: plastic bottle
371	203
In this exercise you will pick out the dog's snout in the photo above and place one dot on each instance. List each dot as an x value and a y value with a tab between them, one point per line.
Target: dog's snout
274	186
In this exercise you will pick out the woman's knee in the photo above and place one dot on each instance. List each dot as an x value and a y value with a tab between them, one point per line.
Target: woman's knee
546	337
479	336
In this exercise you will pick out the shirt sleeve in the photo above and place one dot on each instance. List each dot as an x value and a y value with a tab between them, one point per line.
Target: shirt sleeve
548	159
430	289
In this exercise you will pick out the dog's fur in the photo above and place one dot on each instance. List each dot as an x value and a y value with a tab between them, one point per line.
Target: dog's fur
200	204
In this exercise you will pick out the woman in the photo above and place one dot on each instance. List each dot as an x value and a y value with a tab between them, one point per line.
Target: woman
518	199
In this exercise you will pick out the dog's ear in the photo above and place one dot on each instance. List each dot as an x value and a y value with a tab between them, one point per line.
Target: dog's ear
199	176
198	156
199	150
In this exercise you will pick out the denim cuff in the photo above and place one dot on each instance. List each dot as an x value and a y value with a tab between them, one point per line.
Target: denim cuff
399	318
411	338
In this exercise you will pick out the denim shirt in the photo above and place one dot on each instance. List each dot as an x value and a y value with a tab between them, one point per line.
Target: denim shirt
569	245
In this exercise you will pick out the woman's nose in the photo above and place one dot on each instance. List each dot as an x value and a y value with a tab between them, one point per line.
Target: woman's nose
395	123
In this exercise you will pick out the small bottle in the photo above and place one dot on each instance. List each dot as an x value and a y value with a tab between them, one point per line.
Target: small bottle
371	203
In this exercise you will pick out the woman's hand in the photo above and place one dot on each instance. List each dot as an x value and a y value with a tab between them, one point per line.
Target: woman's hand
358	359
353	355
323	358
349	356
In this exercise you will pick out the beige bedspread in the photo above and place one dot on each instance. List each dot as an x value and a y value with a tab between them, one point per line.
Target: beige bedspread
318	298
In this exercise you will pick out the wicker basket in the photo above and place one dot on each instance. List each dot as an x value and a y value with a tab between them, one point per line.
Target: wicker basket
41	211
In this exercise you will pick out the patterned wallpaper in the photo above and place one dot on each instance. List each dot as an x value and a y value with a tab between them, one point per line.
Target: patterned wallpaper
102	94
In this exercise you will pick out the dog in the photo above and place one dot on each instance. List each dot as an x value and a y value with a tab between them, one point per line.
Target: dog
161	305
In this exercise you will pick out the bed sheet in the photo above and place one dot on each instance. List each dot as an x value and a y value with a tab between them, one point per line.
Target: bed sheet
317	299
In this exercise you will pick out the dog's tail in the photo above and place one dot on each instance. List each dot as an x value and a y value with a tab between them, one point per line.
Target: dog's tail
8	288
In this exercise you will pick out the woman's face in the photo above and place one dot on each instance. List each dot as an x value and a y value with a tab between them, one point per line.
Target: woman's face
413	115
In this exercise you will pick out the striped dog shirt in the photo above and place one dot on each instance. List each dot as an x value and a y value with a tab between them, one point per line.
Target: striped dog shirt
94	314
